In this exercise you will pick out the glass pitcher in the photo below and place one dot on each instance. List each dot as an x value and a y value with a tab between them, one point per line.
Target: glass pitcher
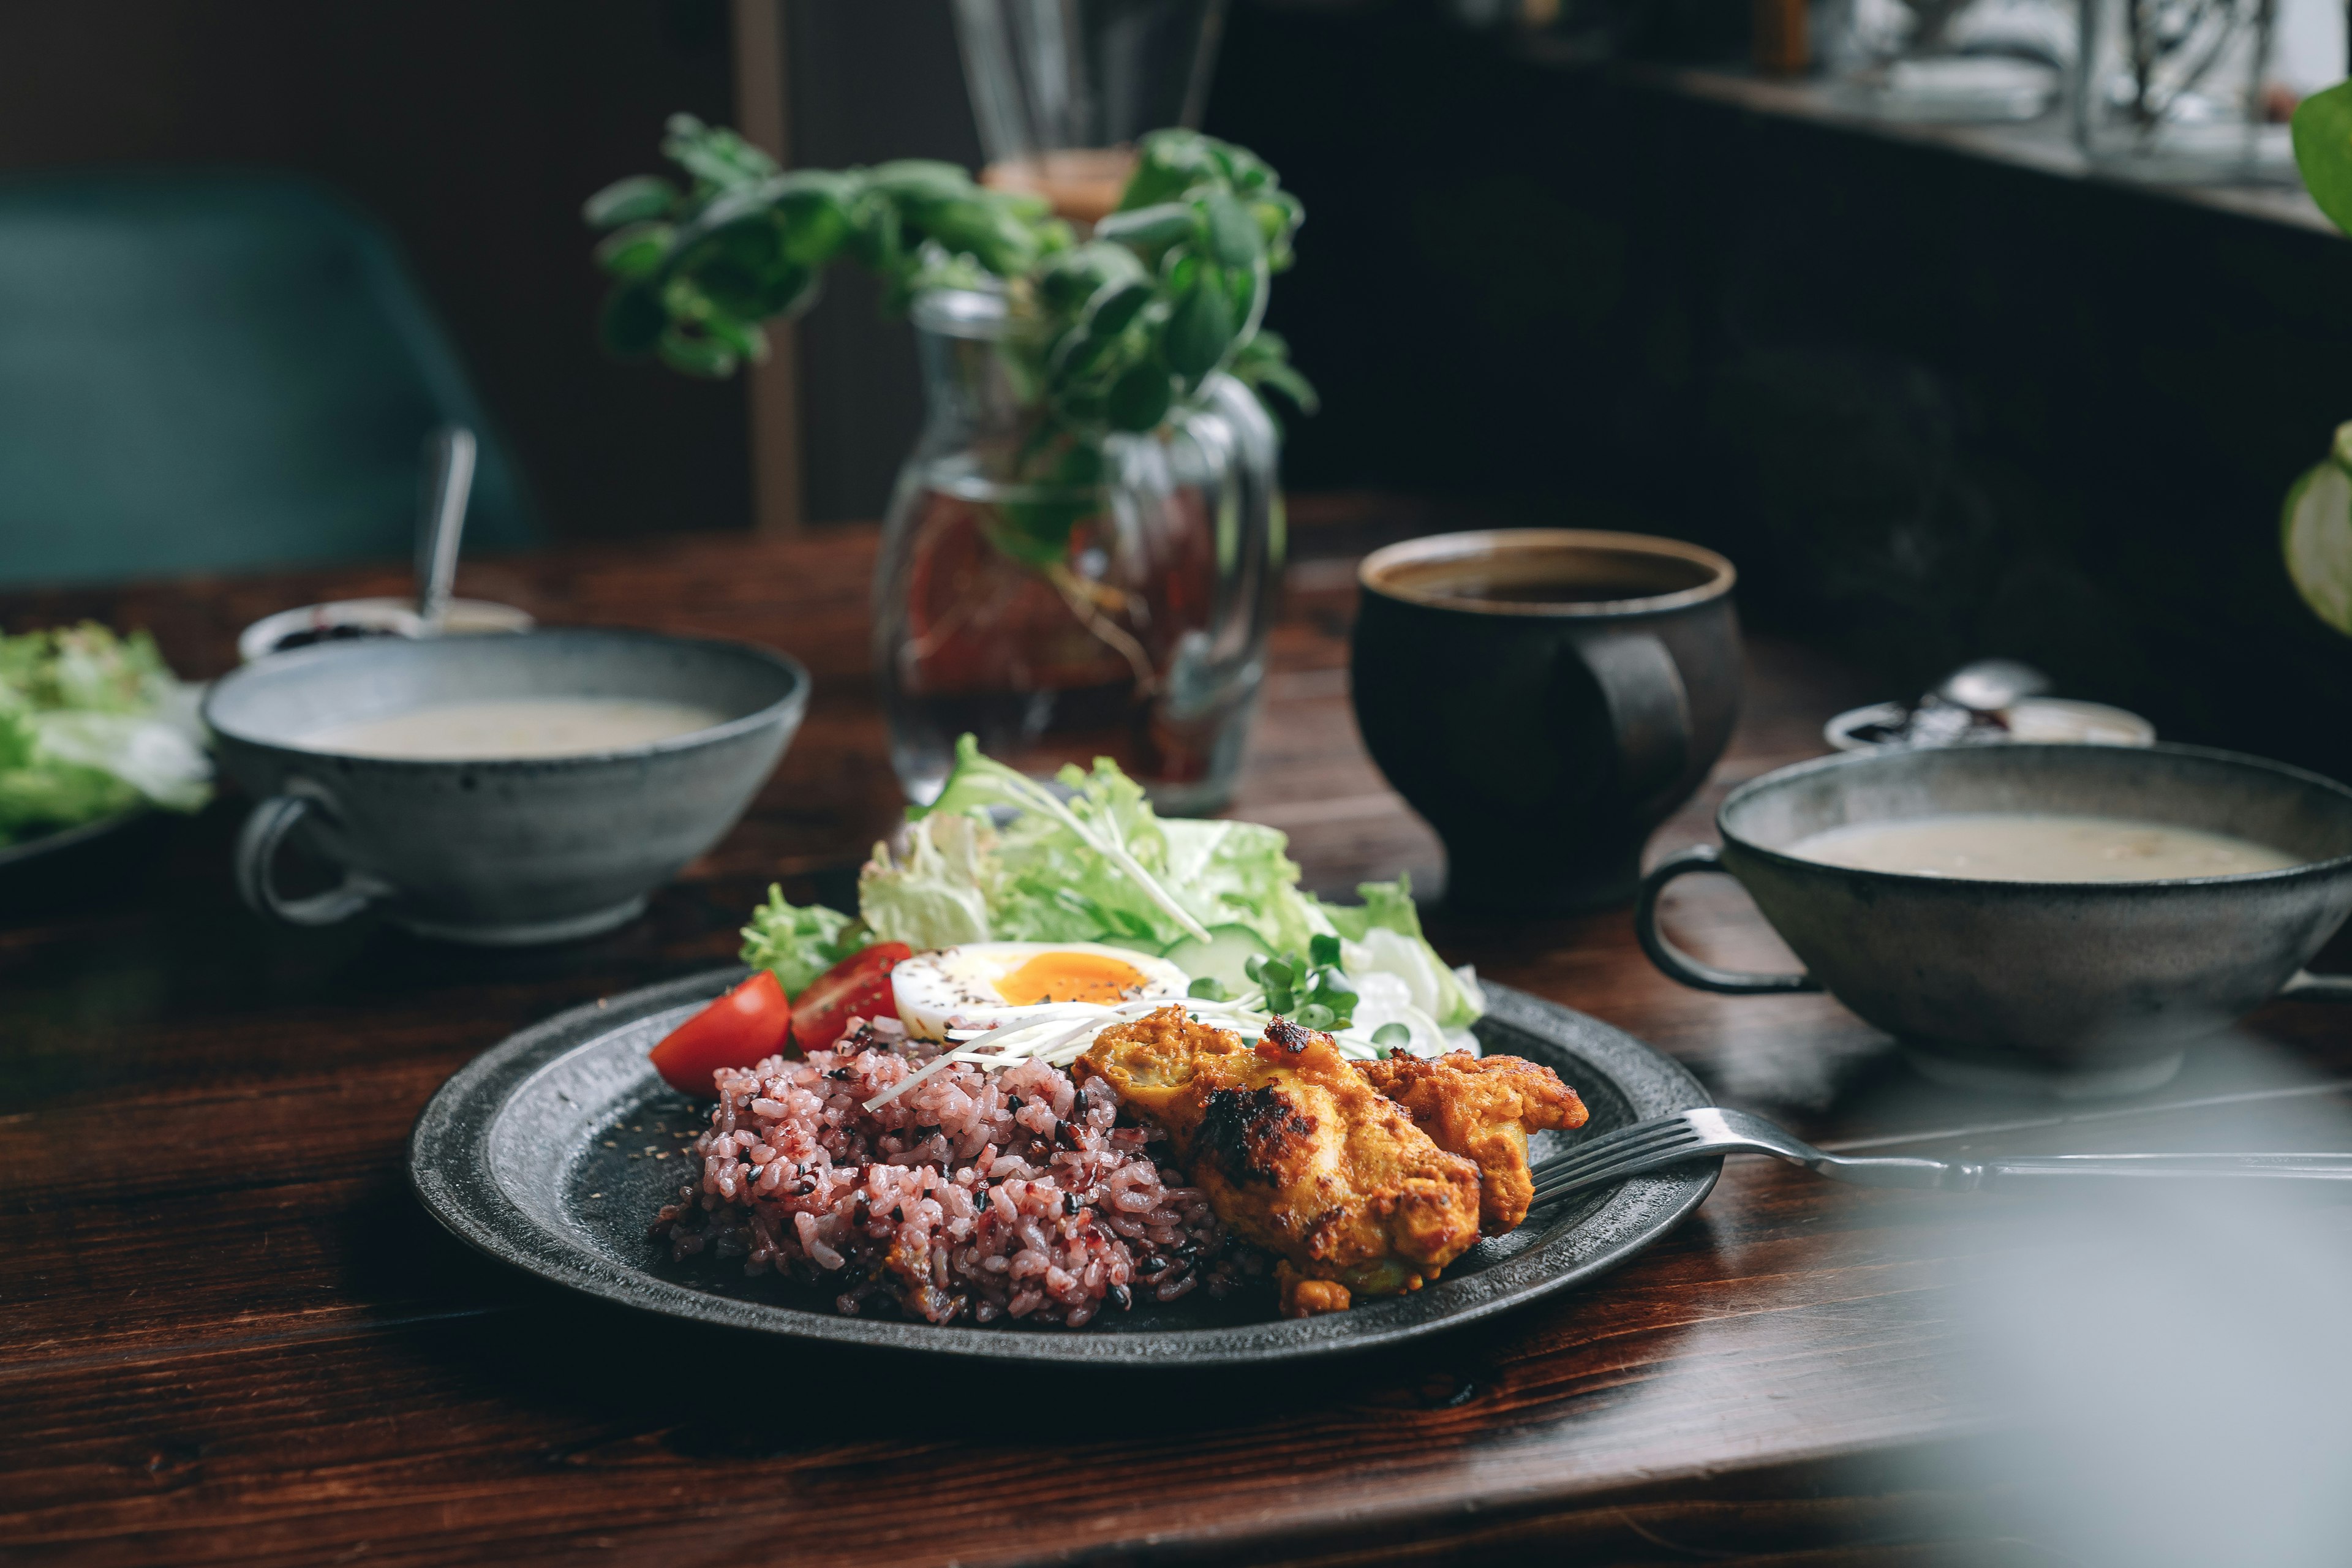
1123	618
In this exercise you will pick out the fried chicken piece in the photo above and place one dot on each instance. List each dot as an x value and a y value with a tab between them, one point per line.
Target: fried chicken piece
1483	1107
1298	1153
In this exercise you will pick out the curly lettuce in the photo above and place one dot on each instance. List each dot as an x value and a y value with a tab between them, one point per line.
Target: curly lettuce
799	942
92	725
1000	856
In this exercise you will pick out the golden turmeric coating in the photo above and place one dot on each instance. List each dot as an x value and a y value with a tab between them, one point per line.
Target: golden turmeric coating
1483	1107
1298	1153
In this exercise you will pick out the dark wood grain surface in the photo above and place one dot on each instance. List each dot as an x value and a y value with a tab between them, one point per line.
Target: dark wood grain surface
228	1334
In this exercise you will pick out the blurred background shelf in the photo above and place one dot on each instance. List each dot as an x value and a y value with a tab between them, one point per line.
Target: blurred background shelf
2042	146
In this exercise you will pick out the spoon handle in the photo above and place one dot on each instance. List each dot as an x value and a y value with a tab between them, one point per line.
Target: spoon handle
449	481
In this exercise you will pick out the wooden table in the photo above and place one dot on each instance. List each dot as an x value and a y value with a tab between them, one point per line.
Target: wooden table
227	1333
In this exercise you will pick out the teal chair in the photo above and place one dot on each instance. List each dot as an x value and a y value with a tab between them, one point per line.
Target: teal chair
216	372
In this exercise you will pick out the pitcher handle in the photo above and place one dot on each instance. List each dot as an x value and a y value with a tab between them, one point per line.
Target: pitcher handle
1680	966
256	851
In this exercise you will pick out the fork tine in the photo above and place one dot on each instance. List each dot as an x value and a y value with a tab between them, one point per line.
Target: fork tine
1554	1183
1615	1146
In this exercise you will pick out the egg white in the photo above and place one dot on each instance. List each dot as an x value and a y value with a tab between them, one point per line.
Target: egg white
956	986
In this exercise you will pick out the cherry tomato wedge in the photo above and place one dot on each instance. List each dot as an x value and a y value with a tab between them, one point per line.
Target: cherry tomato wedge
856	987
747	1023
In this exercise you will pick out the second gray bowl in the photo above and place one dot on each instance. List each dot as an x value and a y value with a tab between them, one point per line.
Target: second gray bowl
498	852
2075	988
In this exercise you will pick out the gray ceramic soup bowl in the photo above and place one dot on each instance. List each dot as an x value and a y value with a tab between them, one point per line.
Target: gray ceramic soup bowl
501	852
2074	988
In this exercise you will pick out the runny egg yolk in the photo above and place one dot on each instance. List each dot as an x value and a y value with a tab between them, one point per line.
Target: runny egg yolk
1070	977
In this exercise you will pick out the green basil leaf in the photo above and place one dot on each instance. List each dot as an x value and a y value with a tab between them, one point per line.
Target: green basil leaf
2323	151
1199	332
1150	229
1234	237
640	198
1391	1036
633	320
920	179
1139	399
1208	988
1316	1016
815	225
697	356
1323	948
1115	308
635	251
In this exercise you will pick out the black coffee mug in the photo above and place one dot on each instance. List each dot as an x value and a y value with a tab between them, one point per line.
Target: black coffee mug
1545	697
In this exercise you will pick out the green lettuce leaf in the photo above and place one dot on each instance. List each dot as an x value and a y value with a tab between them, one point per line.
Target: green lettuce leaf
799	942
90	725
931	896
1387	928
999	856
1240	873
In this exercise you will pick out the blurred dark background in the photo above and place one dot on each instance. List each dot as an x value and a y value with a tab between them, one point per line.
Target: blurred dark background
1934	406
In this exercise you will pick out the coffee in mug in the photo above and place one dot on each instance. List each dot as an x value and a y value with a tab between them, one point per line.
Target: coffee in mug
1545	697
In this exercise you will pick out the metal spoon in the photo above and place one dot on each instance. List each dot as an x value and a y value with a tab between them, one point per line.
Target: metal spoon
1990	685
449	481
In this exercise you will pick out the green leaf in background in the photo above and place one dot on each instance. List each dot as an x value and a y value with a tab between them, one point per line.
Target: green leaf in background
1264	361
635	251
714	154
1234	237
1139	399
1115	308
637	199
632	320
695	355
2323	151
813	209
1153	229
1200	329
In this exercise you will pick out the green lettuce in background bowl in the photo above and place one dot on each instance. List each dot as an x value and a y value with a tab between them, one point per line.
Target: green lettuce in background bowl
93	725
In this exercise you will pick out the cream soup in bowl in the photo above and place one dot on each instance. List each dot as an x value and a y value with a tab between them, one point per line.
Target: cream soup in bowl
2040	847
498	790
515	727
2062	919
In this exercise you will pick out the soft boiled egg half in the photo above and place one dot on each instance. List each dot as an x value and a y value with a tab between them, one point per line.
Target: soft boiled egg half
984	982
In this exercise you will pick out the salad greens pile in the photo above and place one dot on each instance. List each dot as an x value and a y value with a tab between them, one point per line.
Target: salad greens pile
92	725
998	856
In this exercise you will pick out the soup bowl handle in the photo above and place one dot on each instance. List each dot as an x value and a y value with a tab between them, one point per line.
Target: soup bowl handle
2303	986
256	850
1673	962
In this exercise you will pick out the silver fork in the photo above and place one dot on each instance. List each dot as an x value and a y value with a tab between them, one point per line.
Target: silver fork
1711	1131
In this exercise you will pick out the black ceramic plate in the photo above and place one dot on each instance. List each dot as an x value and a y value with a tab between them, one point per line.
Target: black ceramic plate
546	1151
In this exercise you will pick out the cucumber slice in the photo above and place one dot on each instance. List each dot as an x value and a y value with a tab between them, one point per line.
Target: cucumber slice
2316	536
1221	957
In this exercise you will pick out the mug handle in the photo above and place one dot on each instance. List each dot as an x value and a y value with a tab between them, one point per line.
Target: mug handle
1649	708
257	849
1680	966
2303	986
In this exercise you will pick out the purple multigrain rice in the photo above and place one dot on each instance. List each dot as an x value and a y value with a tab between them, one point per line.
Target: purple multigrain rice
1011	1194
